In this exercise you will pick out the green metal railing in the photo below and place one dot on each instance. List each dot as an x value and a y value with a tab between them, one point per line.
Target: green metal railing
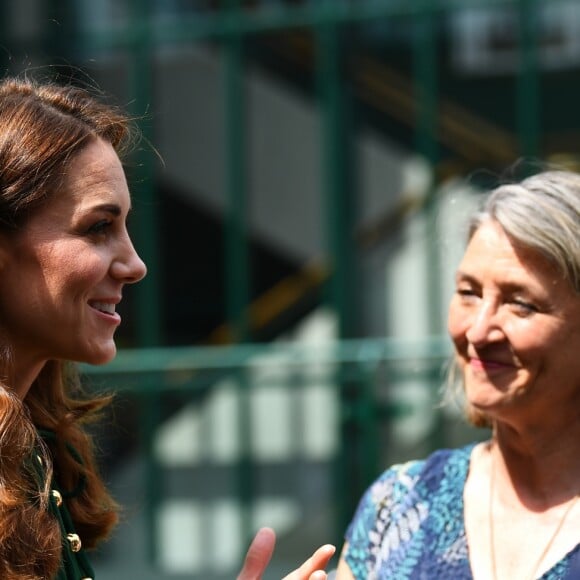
358	372
151	371
356	362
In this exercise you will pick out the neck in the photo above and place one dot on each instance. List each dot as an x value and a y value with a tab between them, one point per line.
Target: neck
19	378
542	466
569	502
19	367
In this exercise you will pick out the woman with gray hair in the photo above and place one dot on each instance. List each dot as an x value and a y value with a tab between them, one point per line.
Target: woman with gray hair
505	509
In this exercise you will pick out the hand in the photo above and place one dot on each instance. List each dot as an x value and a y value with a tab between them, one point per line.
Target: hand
261	550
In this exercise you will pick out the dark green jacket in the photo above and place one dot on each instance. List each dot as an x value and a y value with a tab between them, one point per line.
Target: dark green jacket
75	564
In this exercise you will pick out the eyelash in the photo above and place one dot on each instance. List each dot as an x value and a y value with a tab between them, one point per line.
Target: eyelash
466	292
523	306
527	307
100	227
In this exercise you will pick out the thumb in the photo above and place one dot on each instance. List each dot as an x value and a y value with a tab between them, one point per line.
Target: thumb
258	555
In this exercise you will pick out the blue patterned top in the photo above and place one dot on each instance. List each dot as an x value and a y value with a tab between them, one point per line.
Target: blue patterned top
409	524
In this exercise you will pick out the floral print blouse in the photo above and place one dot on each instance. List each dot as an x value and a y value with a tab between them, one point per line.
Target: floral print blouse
409	524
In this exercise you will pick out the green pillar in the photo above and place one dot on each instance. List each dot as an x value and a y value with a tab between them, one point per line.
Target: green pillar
145	233
335	176
145	202
236	251
426	119
338	219
235	213
528	85
426	99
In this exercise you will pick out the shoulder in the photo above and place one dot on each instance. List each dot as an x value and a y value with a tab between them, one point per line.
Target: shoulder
410	487
392	512
403	478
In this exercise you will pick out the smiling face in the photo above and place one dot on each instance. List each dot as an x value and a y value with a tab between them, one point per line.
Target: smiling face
62	275
515	323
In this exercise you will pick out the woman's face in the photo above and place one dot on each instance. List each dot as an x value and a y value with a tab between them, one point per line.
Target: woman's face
63	274
515	324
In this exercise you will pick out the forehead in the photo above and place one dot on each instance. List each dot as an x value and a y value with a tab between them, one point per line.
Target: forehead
491	245
94	179
491	254
96	173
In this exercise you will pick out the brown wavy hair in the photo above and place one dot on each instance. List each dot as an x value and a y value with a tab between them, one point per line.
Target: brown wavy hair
43	126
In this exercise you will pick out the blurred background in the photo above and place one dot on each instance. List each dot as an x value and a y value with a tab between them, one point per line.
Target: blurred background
300	197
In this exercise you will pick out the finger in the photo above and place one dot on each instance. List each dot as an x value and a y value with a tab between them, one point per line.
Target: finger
316	563
259	554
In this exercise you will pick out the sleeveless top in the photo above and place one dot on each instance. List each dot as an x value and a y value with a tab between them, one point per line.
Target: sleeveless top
409	524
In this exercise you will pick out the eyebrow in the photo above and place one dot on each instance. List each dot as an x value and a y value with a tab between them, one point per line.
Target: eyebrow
508	285
459	275
111	208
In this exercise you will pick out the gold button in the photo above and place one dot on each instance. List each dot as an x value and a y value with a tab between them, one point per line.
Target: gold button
74	541
57	497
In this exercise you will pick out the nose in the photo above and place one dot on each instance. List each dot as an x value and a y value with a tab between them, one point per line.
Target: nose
128	266
484	326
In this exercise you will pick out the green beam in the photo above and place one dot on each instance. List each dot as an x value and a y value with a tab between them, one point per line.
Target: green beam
425	71
235	214
334	174
338	219
528	82
146	211
236	259
425	84
222	25
184	358
145	232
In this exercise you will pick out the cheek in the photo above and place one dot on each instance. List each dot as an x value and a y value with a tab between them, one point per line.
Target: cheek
456	321
75	274
530	340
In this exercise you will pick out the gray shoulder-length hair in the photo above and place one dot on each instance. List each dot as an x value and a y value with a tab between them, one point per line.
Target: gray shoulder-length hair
542	213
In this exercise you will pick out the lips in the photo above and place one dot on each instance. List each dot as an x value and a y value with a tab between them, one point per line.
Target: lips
106	308
487	365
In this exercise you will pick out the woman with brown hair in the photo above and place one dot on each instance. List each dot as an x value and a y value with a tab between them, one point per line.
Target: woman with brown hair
65	257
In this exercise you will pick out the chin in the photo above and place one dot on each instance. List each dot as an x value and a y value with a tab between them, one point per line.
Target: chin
482	401
101	357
